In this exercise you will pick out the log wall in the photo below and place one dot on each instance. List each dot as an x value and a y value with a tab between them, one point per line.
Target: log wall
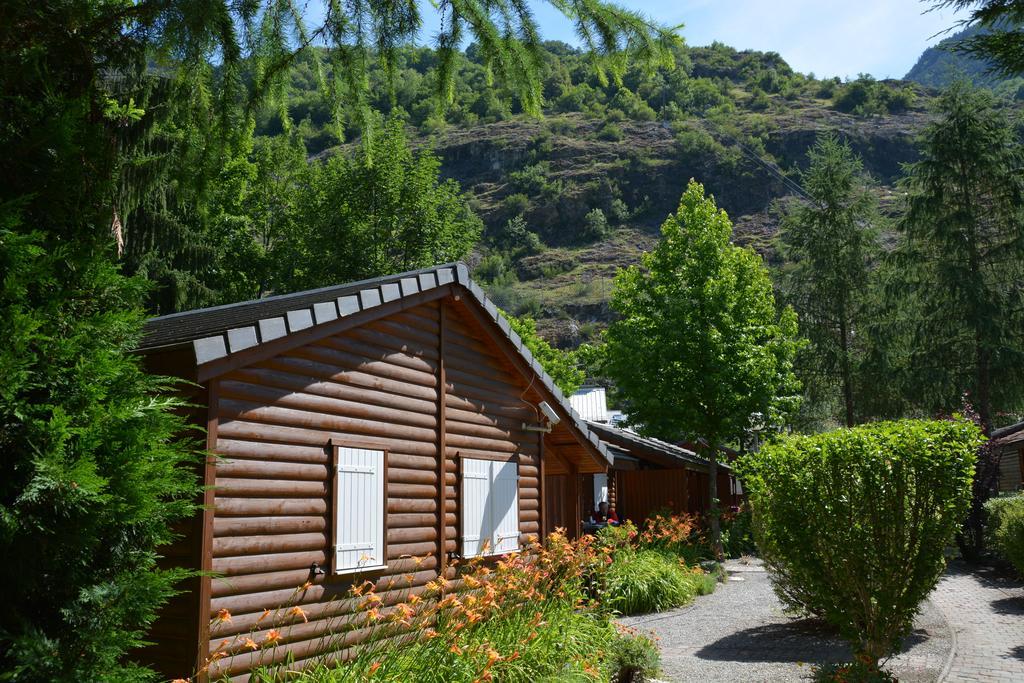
419	383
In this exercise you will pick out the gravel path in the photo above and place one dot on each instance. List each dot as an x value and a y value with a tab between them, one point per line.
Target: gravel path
739	633
986	611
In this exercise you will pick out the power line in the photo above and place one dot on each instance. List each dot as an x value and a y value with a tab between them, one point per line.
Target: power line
771	168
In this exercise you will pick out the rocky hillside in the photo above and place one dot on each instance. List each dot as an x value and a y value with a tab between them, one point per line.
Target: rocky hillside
566	285
569	198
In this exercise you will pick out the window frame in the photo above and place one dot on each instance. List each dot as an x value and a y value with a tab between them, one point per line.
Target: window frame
332	519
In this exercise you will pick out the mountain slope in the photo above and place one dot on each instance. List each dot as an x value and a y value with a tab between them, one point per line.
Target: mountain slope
941	64
569	198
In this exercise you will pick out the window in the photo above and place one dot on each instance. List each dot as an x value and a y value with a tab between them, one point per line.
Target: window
360	499
490	507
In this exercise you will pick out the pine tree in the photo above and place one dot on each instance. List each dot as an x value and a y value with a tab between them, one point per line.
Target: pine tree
830	246
961	256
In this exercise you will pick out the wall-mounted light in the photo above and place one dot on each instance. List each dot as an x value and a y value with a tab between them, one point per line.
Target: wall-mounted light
551	416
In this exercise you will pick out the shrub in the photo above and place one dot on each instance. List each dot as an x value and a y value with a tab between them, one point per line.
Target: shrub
633	658
738	533
1006	529
618	537
610	131
595	225
852	672
852	524
648	581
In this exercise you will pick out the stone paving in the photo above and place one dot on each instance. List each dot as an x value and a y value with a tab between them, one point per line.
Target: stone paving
740	633
986	612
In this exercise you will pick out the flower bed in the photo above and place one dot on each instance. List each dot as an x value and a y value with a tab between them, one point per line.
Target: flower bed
532	615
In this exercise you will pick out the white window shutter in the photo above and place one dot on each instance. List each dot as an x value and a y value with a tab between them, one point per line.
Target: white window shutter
359	517
476	512
505	507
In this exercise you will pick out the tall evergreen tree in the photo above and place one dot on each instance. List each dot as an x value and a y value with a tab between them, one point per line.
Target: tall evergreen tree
961	256
92	475
701	351
830	246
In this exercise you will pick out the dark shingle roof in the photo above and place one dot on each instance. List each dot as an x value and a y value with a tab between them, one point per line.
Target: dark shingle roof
1009	434
635	445
220	331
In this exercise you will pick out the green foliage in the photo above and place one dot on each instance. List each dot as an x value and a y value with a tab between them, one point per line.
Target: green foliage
561	365
830	245
644	581
94	469
868	97
1006	529
852	524
738	533
516	237
595	226
534	180
961	258
370	214
700	348
610	132
633	658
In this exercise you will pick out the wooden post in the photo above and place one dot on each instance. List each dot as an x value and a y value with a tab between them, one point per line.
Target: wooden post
442	448
573	501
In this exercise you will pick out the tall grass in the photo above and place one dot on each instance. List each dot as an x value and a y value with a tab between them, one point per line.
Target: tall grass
649	580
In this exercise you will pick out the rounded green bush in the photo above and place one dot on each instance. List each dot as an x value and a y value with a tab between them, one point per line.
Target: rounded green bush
852	524
1006	529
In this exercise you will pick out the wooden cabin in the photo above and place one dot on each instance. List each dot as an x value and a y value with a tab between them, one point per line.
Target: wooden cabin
367	431
1008	443
650	475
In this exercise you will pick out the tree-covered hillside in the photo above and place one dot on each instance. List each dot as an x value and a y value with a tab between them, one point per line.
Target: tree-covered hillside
568	198
940	65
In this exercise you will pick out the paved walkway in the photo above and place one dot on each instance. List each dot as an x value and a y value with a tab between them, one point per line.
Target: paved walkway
972	629
986	612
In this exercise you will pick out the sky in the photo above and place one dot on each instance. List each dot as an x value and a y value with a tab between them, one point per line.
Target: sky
826	37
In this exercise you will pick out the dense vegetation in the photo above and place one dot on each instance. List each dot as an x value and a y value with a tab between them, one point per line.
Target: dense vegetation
700	347
941	65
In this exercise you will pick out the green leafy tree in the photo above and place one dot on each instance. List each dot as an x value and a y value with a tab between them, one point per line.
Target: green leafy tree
853	523
700	351
561	365
373	213
830	245
961	253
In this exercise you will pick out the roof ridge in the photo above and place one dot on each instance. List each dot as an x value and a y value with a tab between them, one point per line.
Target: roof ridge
222	336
